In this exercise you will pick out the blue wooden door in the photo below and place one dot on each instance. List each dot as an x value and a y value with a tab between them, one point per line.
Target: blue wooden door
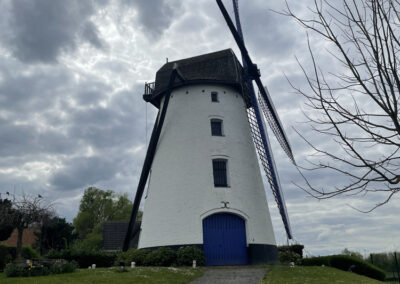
224	240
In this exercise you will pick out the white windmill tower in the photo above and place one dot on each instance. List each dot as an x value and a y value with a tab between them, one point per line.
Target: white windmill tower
204	182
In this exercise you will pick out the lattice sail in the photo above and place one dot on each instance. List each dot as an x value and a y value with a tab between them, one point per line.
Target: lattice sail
268	164
273	123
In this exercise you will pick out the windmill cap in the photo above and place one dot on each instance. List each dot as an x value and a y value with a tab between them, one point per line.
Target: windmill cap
221	67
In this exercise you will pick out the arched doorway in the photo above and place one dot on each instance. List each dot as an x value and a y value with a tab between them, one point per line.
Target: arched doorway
224	240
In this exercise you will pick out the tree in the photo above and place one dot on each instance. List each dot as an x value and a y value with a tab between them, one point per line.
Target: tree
56	234
28	211
6	225
96	207
358	107
352	253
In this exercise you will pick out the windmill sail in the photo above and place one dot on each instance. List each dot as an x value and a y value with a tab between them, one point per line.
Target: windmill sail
267	161
256	121
155	135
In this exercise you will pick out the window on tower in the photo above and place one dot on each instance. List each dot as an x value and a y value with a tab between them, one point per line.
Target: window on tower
220	173
214	97
216	127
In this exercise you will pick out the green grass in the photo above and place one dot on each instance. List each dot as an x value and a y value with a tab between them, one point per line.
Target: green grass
314	275
109	275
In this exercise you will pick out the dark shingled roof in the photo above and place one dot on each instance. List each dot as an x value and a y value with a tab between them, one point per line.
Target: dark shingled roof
114	235
221	67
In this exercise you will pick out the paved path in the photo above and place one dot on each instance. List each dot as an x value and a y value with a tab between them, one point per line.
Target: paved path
237	275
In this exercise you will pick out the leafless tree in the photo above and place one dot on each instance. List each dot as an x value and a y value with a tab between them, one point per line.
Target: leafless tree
28	211
358	107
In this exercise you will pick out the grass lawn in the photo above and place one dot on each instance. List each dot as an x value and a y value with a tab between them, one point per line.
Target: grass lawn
109	275
314	275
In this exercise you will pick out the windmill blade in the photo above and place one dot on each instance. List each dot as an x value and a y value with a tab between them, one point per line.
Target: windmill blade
155	135
257	125
272	118
267	161
274	123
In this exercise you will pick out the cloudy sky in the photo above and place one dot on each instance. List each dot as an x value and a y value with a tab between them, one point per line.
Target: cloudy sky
71	111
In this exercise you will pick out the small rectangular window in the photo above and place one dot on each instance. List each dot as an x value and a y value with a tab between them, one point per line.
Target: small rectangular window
216	127
214	97
219	172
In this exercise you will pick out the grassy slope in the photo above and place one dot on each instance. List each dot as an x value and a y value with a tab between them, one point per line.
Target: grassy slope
143	275
313	275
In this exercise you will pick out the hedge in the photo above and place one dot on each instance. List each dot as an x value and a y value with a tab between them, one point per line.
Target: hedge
361	267
162	256
346	263
316	261
14	270
85	258
5	257
133	255
297	248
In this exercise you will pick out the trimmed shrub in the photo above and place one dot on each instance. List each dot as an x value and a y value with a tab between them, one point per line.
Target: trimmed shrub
344	262
163	256
297	248
186	255
316	261
85	258
29	253
289	256
357	265
133	255
13	270
5	257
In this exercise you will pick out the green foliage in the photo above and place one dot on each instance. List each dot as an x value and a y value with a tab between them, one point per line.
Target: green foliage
287	256
385	261
56	233
29	253
186	255
98	206
13	270
6	226
315	261
344	262
92	242
296	248
5	257
163	256
359	266
85	258
133	255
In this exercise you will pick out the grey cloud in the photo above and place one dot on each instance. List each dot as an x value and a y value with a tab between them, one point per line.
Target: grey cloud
155	16
83	171
40	30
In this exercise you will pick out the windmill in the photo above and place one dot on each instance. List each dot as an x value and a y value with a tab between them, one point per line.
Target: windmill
204	186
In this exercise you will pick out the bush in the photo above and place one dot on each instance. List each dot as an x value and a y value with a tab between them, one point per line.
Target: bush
163	256
361	267
186	255
297	248
29	253
344	262
133	255
289	256
13	270
85	258
5	257
316	261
